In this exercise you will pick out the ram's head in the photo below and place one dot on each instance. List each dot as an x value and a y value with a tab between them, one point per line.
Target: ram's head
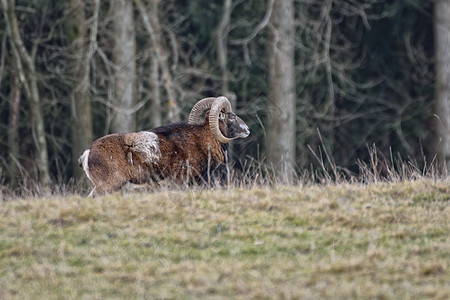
225	125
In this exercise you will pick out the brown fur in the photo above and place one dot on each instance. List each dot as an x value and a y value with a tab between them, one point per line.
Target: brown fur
186	152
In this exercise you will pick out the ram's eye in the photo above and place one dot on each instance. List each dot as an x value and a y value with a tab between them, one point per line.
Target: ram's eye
233	117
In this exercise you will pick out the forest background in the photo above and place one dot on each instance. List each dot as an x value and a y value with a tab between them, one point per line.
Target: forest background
308	77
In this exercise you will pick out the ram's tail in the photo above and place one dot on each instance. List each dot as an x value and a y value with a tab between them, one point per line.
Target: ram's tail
83	162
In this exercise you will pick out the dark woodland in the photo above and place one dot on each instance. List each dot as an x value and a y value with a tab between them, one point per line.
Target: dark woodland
319	83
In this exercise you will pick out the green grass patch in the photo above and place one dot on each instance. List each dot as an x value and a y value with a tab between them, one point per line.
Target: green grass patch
386	240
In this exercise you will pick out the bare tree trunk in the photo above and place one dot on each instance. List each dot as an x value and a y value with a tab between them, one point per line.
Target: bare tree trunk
81	119
13	134
153	27
124	57
156	107
442	66
155	113
222	50
282	112
28	77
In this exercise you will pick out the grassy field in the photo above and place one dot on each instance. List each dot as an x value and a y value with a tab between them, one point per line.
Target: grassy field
384	241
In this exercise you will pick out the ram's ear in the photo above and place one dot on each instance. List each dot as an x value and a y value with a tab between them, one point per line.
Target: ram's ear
221	116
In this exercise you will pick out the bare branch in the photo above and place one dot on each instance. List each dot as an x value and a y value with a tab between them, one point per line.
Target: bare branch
153	28
258	27
32	92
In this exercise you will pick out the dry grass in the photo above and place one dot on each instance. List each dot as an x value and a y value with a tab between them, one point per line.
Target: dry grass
383	240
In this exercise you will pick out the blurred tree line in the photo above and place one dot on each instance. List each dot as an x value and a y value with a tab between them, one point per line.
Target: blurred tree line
307	77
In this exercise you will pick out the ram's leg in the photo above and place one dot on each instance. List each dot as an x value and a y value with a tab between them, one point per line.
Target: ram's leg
106	188
106	174
92	193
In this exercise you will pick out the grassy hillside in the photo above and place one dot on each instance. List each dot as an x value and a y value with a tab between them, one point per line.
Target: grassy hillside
338	241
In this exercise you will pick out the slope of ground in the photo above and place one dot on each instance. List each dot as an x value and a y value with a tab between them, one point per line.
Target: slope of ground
344	241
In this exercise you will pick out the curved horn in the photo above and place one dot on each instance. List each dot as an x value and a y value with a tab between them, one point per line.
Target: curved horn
195	117
221	103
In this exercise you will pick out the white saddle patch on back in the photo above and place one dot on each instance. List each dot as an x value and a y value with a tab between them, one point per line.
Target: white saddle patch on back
147	145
